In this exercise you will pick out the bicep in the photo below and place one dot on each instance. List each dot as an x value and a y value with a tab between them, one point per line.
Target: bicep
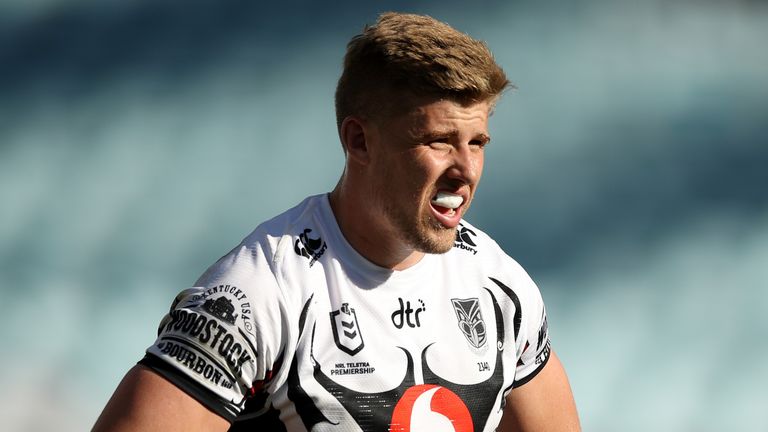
543	404
146	401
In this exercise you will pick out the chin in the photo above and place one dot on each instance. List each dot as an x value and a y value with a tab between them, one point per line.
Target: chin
424	233
442	248
438	241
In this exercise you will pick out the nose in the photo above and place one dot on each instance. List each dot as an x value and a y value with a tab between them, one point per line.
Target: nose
467	163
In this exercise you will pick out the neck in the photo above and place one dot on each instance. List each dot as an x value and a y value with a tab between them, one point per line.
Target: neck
376	243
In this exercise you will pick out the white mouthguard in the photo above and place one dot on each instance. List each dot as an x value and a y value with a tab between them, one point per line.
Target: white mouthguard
447	200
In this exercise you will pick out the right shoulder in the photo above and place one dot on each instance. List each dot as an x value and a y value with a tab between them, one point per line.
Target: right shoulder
265	251
230	334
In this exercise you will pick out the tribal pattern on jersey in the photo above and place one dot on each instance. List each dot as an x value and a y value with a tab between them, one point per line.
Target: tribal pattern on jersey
294	331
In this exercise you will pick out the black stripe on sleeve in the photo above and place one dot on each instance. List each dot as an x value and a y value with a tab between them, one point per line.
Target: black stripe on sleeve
203	395
530	376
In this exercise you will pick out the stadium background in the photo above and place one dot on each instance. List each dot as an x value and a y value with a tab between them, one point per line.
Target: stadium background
140	140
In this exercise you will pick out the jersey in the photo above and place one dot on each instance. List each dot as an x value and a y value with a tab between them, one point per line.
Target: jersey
294	330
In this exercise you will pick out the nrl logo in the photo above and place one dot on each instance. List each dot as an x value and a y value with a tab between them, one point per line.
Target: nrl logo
346	331
470	320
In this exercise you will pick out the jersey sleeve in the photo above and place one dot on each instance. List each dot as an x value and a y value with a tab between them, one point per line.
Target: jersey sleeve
222	339
533	343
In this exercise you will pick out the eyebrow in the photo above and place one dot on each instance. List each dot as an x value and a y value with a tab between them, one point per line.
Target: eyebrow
431	136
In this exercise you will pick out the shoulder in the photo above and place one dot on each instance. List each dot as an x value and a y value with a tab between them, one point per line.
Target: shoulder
271	239
474	248
275	233
473	243
259	260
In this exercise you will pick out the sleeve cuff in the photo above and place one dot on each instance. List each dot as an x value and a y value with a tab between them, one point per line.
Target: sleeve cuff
206	397
531	375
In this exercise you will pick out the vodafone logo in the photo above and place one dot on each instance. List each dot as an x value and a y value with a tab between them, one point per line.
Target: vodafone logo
430	407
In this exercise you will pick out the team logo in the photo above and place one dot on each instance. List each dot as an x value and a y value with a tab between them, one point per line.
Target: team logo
470	320
308	247
465	239
221	308
429	407
346	331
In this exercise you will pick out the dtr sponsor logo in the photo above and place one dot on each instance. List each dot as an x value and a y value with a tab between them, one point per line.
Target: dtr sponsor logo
406	315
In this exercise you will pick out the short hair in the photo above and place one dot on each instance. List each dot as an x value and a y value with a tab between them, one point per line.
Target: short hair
404	56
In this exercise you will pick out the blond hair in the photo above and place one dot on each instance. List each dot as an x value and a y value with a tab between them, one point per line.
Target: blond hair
405	56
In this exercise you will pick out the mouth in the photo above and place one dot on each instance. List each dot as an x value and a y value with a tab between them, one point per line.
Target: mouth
447	207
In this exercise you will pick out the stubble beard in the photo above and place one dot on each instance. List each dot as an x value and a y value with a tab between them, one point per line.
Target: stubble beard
422	233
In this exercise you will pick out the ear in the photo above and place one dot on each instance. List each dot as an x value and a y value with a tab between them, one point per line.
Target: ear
354	135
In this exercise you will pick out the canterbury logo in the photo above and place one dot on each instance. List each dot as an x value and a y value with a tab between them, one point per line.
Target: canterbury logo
310	248
465	239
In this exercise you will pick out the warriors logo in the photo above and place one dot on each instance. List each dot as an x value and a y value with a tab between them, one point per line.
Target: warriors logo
470	320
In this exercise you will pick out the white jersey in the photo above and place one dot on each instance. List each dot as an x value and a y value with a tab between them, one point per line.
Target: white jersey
294	330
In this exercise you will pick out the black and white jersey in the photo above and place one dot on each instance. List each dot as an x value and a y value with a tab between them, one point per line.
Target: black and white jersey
294	330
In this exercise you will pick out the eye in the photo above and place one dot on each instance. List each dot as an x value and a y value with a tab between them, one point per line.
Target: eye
480	143
439	143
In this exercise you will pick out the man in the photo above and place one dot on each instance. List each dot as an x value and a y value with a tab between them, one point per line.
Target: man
375	307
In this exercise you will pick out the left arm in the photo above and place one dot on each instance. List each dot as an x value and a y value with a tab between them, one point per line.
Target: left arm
543	404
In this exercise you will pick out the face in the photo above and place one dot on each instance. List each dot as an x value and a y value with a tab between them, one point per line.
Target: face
425	166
